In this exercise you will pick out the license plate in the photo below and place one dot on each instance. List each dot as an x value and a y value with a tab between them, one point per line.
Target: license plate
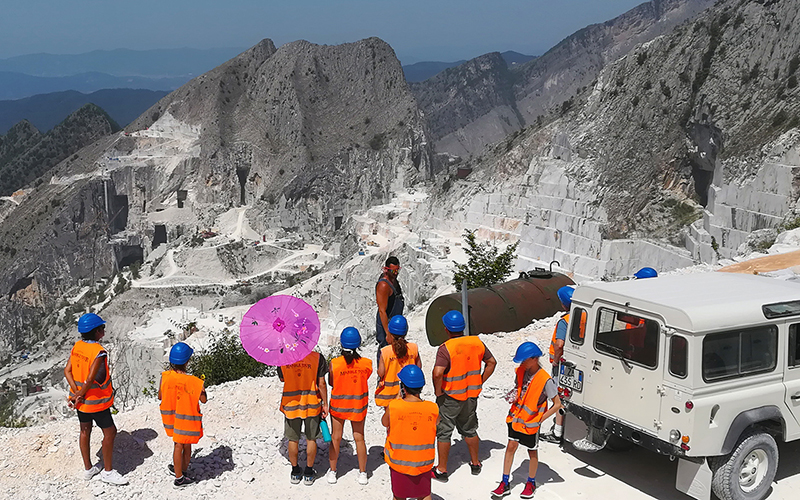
570	377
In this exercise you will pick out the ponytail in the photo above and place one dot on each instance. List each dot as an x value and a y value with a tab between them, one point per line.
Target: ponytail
350	355
400	346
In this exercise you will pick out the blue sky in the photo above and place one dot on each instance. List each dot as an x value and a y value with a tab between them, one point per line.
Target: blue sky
441	30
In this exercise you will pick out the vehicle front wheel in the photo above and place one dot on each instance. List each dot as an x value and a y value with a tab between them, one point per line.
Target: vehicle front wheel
747	473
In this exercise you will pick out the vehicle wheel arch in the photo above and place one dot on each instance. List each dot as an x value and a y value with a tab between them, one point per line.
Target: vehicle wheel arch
768	417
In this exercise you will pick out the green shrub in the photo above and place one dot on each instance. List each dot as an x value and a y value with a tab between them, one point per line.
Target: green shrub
9	418
226	360
486	265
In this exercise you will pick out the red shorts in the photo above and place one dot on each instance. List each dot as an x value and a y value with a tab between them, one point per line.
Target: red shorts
405	486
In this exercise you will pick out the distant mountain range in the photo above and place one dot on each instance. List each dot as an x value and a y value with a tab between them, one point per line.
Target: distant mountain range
45	111
162	63
19	85
421	71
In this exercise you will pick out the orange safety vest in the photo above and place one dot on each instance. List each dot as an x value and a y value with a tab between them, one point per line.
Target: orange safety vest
350	391
411	443
389	388
463	380
636	334
525	414
100	395
565	317
180	406
301	397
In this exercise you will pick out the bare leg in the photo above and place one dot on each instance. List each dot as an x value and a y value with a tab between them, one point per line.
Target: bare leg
361	445
177	459
84	442
508	461
444	454
187	456
294	450
473	444
311	452
109	434
533	464
337	429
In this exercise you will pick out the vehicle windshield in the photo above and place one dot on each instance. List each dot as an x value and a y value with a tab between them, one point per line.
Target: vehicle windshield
628	337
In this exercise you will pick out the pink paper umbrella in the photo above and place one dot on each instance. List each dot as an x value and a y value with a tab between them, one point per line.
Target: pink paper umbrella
279	330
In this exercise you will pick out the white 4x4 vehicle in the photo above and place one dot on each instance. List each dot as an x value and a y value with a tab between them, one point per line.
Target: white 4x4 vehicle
704	368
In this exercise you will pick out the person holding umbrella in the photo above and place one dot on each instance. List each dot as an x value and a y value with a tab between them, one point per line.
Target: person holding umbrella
410	447
348	378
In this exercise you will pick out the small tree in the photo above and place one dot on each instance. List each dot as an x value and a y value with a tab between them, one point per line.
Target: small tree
486	265
227	360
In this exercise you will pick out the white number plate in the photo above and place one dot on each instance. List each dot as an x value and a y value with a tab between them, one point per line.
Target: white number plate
570	377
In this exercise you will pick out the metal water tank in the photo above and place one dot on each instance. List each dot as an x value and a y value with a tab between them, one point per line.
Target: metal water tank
505	307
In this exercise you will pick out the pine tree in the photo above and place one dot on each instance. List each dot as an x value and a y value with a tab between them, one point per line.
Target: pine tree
486	265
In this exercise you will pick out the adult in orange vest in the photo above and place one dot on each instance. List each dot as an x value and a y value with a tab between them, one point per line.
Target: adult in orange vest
392	359
528	410
91	394
180	395
457	382
349	380
304	404
411	435
557	351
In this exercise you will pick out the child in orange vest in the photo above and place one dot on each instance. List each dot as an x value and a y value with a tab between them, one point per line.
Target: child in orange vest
181	395
348	378
392	359
528	410
92	395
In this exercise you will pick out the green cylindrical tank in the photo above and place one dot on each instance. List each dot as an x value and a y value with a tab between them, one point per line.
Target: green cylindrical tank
505	307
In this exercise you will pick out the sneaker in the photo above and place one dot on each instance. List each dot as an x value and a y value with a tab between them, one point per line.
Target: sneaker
476	469
171	469
297	475
502	490
309	475
90	473
331	477
182	481
551	437
112	477
363	480
440	476
529	490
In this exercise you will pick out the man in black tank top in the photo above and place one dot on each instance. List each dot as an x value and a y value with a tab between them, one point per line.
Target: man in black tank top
389	297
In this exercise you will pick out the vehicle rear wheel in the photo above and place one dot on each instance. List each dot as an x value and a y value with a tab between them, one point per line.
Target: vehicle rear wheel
747	473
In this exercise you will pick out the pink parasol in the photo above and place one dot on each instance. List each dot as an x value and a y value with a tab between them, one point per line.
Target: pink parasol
279	330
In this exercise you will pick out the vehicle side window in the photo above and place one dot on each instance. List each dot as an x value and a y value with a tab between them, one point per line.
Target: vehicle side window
626	335
740	353
678	356
794	345
577	329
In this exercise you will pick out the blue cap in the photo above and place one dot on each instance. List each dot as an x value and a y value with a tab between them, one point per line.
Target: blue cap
454	321
527	350
565	295
89	322
350	338
411	376
645	272
180	353
398	325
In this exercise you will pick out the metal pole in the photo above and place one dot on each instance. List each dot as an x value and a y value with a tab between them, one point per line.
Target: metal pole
465	306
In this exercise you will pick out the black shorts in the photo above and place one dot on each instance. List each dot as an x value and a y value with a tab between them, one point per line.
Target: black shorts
103	418
530	441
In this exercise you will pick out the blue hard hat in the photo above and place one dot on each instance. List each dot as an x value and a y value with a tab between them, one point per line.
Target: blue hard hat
411	376
454	321
645	272
398	325
527	350
565	295
89	322
350	338
180	353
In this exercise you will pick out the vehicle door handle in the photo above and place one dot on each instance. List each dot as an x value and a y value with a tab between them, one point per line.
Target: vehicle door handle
596	364
795	397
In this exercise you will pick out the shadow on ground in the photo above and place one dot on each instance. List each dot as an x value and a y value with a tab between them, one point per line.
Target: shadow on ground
130	449
459	453
544	474
211	465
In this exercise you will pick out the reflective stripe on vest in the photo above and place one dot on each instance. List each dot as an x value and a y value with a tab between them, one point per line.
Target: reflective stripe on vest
525	414
392	366
463	380
411	443
300	391
180	406
100	395
350	391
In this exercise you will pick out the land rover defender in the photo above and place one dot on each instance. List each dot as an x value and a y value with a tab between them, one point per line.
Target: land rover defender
704	368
